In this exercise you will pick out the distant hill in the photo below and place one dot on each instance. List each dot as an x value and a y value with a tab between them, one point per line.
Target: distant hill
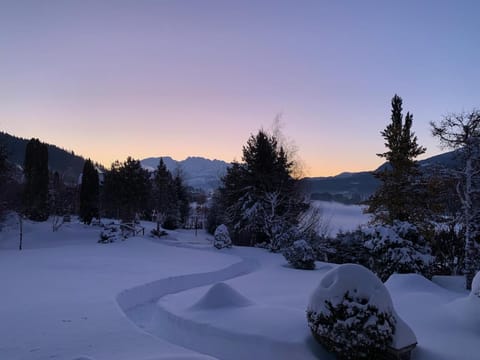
355	187
198	172
65	162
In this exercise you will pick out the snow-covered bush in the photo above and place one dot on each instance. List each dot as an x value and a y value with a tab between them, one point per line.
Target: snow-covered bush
300	255
222	237
109	234
397	248
476	285
158	233
347	247
351	313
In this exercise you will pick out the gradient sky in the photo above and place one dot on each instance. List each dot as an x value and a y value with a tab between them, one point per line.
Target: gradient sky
109	79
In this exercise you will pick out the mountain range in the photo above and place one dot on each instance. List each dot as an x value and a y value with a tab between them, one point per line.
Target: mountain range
357	186
197	172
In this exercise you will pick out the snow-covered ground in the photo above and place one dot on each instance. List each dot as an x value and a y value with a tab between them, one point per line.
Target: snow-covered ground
340	217
67	297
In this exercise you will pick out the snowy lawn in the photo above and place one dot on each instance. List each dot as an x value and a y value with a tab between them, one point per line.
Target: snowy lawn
65	296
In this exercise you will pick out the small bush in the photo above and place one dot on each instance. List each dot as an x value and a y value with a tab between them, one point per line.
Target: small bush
109	234
476	285
158	233
353	329
351	313
222	237
300	255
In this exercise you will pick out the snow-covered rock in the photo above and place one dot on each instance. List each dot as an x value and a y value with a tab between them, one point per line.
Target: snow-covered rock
222	237
350	299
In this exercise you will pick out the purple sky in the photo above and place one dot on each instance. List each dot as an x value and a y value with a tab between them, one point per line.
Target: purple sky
109	79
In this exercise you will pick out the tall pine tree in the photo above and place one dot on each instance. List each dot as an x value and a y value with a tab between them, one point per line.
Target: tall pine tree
398	195
89	193
35	168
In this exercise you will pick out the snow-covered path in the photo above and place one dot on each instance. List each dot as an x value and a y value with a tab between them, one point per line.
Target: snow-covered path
273	332
141	304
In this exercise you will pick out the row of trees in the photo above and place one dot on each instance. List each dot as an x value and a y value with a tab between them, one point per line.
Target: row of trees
125	191
130	192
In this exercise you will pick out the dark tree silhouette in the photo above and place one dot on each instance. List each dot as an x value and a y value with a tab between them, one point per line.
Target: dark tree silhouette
89	193
36	181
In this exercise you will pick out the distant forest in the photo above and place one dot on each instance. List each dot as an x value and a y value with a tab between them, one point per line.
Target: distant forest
65	162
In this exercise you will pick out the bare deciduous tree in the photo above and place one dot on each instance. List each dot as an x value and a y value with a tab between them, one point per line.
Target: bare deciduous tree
462	132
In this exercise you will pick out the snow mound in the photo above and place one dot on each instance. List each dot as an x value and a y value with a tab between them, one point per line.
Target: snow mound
413	283
476	285
221	295
466	312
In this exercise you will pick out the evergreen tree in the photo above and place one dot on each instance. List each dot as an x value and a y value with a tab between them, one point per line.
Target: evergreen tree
3	177
462	132
3	162
36	180
182	198
127	189
165	197
110	190
260	197
399	196
162	182
89	193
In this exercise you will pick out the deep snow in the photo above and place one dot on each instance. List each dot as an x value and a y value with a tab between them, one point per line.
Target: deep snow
67	297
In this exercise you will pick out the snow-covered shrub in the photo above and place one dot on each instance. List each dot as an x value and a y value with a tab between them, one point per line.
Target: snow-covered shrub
476	285
109	234
158	233
222	237
351	313
347	247
300	255
397	248
448	247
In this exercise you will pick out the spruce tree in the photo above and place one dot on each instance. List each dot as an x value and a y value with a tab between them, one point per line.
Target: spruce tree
182	198
162	183
36	180
89	193
165	197
3	164
260	196
399	195
3	178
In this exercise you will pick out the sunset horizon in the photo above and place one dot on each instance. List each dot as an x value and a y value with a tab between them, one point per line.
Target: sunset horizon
118	78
